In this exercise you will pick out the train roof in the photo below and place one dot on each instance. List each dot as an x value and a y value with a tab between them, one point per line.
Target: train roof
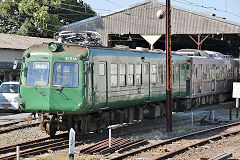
43	49
130	52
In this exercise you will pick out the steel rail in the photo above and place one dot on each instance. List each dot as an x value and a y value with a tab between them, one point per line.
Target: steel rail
12	123
201	143
18	127
42	149
38	146
12	148
173	140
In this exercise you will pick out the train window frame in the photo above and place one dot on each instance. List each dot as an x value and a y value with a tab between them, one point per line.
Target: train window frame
131	75
177	72
138	72
164	74
160	73
102	69
122	75
195	71
114	75
153	74
77	73
173	73
48	74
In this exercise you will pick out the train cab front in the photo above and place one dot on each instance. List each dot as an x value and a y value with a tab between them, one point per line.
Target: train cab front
51	82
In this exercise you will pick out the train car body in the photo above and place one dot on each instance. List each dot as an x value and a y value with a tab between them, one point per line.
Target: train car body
77	85
210	78
89	88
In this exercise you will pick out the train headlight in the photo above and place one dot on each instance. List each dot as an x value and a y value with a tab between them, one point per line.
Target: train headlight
53	47
79	105
27	55
22	104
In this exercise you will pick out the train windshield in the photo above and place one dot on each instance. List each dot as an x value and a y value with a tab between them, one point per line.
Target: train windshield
37	74
65	74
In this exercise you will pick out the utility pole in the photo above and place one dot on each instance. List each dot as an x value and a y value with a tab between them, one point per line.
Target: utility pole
168	68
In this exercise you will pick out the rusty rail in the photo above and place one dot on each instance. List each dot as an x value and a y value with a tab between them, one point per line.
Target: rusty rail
173	140
118	145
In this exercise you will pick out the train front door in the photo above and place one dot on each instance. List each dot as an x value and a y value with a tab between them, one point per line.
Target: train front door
100	84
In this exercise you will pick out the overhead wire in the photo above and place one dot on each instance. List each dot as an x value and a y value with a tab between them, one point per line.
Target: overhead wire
139	25
187	2
114	3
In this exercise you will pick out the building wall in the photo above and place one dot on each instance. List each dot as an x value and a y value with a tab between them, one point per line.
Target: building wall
7	73
7	55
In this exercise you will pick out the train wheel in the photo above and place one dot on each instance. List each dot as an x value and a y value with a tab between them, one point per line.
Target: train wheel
50	128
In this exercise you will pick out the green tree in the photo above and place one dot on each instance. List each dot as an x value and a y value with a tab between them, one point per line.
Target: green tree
40	17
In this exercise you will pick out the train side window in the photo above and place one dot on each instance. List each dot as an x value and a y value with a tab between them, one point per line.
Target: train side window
131	75
101	69
153	73
160	73
114	71
138	74
122	78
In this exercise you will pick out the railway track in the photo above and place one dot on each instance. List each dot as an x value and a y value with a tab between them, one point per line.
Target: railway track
13	126
163	144
36	147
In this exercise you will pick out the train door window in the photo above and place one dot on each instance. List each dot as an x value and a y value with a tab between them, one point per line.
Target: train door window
114	72
208	72
160	73
173	74
222	72
177	71
204	75
154	74
229	72
101	69
131	75
225	71
195	71
146	69
214	72
235	72
138	74
122	78
200	71
164	73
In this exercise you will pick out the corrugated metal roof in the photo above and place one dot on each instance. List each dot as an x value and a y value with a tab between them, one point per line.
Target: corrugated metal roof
12	41
141	18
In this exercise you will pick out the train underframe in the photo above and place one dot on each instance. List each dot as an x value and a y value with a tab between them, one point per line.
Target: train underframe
96	122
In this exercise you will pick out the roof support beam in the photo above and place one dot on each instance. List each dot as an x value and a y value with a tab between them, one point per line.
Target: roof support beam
199	42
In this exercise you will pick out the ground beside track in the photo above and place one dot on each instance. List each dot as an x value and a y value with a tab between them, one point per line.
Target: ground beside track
181	125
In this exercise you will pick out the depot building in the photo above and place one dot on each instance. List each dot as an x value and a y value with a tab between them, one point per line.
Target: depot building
138	26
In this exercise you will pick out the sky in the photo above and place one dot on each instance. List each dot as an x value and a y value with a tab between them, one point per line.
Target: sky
229	9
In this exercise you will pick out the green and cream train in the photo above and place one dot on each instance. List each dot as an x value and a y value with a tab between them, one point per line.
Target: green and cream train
90	88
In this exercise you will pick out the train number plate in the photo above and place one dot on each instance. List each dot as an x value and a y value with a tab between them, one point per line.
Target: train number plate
5	107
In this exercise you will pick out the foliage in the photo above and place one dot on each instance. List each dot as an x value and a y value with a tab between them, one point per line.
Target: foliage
40	17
